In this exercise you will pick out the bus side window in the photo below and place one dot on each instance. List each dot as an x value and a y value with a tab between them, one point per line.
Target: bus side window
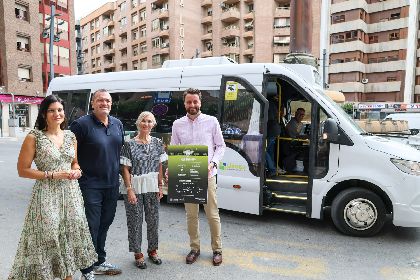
75	101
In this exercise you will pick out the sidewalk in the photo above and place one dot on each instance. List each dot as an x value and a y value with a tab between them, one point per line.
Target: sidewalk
21	133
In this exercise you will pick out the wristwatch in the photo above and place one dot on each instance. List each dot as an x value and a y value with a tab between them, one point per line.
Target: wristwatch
214	164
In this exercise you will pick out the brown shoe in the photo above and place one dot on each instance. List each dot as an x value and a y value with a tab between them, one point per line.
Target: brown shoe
192	256
217	258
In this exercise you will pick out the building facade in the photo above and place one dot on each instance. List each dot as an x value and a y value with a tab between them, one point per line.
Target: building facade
142	34
24	61
374	53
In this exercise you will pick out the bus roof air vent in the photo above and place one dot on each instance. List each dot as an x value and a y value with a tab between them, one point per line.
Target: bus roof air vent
198	62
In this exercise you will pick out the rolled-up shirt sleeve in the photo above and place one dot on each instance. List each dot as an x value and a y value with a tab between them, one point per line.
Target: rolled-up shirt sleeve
219	143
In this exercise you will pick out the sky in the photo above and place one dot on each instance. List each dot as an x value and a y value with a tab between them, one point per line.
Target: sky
83	7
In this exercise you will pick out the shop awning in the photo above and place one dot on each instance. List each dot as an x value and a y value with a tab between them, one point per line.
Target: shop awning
22	99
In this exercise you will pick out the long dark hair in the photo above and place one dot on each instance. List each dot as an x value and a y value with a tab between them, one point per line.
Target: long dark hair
41	122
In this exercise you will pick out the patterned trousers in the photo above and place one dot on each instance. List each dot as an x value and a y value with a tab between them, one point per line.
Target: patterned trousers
149	204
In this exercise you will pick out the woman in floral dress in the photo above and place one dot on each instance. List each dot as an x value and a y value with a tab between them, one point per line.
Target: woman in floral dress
55	240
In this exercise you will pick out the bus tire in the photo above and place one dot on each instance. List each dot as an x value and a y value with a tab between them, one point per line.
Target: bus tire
358	212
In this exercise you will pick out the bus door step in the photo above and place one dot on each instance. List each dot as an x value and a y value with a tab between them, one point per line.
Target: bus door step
288	198
295	185
287	208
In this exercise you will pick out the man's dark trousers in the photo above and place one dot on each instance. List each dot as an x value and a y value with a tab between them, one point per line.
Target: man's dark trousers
100	208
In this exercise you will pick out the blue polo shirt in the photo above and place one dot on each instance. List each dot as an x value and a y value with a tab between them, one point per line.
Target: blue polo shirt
98	151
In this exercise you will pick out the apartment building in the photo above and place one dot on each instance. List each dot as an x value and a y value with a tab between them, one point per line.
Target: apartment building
142	34
374	50
24	62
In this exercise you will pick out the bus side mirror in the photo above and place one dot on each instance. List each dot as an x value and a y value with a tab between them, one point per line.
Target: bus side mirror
330	131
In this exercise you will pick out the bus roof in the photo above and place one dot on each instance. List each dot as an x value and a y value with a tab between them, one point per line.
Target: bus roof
180	77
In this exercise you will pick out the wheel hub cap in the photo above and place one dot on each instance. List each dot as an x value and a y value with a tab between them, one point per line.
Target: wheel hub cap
360	214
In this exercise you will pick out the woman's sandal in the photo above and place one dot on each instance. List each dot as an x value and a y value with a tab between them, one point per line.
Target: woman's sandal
153	256
139	258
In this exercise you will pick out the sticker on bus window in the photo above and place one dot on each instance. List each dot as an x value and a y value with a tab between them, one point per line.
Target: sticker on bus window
231	92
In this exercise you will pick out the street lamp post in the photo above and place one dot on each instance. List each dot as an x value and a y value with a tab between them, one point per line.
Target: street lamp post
53	38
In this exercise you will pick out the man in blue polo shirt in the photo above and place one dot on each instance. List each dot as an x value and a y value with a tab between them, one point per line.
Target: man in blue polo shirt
99	138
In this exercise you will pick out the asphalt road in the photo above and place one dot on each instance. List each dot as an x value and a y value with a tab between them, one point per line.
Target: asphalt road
271	246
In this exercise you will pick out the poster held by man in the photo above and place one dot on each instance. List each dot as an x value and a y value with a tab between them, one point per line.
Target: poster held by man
188	174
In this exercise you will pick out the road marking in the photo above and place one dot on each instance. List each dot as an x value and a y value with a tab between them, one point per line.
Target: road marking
296	244
257	261
400	273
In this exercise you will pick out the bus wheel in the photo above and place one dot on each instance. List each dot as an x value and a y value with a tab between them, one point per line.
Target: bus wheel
358	212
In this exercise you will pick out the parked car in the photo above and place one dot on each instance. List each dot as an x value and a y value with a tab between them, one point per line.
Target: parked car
412	118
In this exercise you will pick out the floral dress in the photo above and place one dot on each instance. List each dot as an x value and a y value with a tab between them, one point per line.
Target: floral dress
55	240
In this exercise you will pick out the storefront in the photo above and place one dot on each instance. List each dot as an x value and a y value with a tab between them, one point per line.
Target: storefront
25	111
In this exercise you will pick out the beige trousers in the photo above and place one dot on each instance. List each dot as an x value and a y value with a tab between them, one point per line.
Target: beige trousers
212	213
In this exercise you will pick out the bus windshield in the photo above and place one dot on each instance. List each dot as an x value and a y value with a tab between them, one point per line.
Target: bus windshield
343	113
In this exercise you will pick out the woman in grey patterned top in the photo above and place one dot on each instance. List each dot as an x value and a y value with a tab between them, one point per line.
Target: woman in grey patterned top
141	164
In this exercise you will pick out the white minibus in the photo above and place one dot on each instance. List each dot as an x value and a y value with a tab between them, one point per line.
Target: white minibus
337	167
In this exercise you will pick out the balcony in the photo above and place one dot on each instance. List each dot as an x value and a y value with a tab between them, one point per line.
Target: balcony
164	31
230	15
282	31
228	2
232	31
230	49
249	16
163	13
206	3
206	53
109	38
207	19
123	31
207	36
109	51
164	48
110	23
109	64
248	34
250	50
282	12
281	49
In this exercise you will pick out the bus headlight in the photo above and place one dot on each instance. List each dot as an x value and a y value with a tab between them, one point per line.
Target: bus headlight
407	166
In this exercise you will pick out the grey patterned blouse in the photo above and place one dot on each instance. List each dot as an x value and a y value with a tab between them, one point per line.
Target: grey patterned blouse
143	160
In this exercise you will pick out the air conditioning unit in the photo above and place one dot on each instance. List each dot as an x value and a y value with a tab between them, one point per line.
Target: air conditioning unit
364	81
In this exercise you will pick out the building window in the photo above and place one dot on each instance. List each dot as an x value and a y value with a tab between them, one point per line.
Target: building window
135	50
22	43
395	16
278	58
92	38
24	73
143	47
143	64
123	5
156	42
373	39
134	34
134	3
21	12
281	40
134	19
143	14
351	35
338	18
155	24
143	31
337	38
394	36
156	59
64	57
135	65
391	79
336	61
123	22
281	22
